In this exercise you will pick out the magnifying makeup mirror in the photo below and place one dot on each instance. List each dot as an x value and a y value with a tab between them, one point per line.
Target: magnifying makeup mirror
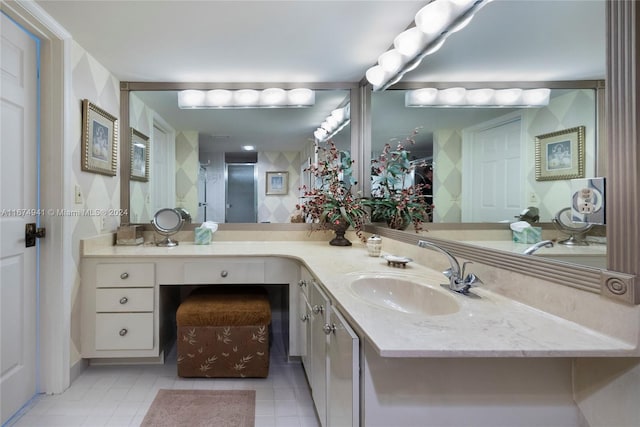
167	222
575	230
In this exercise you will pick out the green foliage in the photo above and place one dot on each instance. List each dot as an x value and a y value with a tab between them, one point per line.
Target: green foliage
393	199
330	200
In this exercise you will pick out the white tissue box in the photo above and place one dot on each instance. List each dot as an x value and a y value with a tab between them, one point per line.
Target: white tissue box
528	235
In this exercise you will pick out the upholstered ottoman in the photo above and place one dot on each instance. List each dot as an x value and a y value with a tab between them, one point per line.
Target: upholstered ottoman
224	332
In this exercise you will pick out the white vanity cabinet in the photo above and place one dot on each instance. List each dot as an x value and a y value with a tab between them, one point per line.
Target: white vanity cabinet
334	362
118	309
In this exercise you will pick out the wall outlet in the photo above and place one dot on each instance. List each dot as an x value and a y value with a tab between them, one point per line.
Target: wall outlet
77	195
533	199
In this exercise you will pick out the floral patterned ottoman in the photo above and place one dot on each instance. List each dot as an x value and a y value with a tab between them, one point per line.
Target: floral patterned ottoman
224	332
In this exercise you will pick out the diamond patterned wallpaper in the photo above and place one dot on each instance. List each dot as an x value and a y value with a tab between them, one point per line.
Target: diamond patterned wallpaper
90	80
187	168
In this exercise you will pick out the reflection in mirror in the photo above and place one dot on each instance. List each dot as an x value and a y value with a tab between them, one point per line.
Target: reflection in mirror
484	159
459	143
199	161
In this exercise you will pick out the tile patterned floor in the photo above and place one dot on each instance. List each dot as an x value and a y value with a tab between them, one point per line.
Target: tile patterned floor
120	395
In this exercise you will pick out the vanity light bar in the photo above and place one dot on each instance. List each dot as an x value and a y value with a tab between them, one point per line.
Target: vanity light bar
246	98
433	24
338	119
458	97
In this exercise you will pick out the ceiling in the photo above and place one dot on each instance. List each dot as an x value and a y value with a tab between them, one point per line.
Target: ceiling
324	41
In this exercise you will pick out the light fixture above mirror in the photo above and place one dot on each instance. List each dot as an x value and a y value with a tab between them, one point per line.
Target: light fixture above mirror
433	24
246	98
460	97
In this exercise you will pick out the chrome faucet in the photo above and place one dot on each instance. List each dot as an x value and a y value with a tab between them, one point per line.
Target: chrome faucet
543	244
458	282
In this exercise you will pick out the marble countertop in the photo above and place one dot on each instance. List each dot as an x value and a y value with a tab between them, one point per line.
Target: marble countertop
489	326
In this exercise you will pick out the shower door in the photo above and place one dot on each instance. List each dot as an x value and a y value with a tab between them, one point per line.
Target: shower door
241	193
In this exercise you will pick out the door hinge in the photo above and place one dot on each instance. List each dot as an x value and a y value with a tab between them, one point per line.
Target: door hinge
31	233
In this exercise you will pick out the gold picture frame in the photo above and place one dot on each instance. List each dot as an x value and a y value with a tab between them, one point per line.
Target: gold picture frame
277	183
139	156
561	154
99	140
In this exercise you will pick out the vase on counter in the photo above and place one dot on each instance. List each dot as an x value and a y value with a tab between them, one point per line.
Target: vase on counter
339	227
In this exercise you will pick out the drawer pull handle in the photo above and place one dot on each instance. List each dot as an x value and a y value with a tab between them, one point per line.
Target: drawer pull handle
317	309
302	282
304	318
123	332
328	329
124	300
224	273
124	276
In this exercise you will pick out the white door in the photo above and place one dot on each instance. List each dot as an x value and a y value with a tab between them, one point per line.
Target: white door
18	202
493	156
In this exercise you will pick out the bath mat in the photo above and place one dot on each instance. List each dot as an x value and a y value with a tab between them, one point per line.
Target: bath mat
199	408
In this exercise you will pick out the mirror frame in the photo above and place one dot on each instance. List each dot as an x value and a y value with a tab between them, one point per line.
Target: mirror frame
622	134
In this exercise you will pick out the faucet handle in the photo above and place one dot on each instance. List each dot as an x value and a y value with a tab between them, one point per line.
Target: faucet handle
448	273
472	280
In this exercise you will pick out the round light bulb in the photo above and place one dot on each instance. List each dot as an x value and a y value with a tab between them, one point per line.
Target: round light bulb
509	97
410	42
273	97
376	75
434	17
391	61
452	96
424	96
480	96
246	98
219	98
191	98
536	97
301	97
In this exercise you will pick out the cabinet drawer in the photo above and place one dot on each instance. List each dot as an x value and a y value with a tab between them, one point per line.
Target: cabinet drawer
112	275
124	299
224	272
127	331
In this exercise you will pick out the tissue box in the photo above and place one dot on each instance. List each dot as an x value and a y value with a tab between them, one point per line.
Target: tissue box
528	235
129	235
202	235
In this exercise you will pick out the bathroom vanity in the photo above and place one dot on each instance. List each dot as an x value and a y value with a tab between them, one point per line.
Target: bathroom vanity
367	363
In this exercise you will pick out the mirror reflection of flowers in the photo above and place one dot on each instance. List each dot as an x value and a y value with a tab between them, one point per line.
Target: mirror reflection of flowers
330	201
396	198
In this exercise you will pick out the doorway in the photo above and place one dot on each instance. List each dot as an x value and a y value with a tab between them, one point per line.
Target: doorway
241	193
19	198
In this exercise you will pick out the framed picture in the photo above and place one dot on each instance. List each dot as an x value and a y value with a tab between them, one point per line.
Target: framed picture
560	155
139	156
99	140
277	183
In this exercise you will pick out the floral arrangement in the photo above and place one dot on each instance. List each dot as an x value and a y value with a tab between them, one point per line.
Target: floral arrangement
394	198
330	203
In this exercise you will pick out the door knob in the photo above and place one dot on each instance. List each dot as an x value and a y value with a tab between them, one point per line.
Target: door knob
31	233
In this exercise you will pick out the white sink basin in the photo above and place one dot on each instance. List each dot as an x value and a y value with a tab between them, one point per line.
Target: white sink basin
404	294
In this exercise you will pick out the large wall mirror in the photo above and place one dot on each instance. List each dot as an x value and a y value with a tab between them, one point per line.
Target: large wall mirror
484	158
217	163
496	51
